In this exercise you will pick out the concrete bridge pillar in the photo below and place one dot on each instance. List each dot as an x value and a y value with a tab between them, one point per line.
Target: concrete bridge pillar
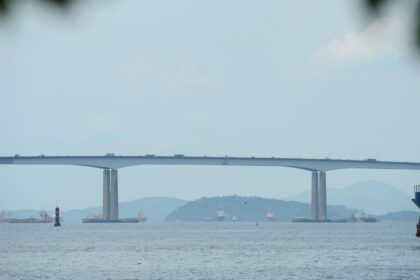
114	195
315	198
322	195
106	198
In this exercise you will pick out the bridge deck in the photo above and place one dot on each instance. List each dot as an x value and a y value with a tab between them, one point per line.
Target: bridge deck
115	162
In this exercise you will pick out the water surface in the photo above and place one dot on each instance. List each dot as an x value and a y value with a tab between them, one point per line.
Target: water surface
209	251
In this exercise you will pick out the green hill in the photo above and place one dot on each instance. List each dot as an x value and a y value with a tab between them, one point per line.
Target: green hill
249	209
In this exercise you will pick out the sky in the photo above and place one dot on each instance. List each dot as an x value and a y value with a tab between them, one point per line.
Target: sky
310	79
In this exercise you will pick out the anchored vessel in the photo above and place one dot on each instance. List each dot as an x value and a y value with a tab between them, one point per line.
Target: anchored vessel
416	201
270	216
43	218
220	215
362	217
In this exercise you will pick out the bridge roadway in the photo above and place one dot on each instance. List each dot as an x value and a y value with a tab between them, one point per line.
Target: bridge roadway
110	163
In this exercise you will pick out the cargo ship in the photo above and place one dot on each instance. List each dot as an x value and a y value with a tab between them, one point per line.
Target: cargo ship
362	217
220	215
43	218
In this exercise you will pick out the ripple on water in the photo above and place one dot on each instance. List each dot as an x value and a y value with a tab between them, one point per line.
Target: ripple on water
210	251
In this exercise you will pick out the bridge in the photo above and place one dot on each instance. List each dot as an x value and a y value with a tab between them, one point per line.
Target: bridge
110	164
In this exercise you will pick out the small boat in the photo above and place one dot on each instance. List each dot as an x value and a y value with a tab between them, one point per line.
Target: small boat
270	216
235	218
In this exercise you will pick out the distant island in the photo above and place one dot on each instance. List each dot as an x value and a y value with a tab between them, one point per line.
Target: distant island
249	209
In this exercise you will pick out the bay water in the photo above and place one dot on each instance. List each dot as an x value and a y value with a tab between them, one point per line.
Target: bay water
212	250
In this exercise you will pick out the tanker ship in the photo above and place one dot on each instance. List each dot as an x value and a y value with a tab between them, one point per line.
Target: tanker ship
43	218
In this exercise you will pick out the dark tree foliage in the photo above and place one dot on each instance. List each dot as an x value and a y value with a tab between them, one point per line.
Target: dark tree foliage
5	5
373	6
417	27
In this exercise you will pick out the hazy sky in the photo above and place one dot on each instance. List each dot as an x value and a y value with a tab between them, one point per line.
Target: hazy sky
243	78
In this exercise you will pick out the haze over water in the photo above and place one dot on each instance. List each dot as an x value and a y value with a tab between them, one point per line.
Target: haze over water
287	79
203	78
209	251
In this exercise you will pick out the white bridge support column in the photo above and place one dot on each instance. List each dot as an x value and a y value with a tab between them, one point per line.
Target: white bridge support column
114	195
322	195
315	199
106	198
